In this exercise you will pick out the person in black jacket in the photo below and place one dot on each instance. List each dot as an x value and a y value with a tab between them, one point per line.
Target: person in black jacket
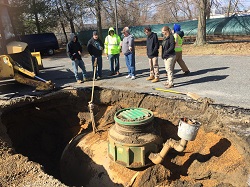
168	54
152	53
74	51
95	47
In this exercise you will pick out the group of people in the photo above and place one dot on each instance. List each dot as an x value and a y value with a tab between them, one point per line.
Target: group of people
171	53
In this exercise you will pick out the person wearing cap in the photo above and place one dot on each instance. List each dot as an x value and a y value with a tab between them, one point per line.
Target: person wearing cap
178	36
74	51
152	44
112	50
128	49
95	47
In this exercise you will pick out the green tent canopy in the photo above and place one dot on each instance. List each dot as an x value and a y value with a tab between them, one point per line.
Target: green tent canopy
234	25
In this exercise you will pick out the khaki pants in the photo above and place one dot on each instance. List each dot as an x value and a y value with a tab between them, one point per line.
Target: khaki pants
154	67
169	66
180	61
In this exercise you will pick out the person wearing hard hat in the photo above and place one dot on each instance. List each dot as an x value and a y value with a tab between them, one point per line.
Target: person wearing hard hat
178	36
112	50
128	49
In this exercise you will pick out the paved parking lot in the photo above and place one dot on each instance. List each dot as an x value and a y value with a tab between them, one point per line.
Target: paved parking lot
225	79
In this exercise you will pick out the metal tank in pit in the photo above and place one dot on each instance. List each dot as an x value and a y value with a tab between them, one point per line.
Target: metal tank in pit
133	137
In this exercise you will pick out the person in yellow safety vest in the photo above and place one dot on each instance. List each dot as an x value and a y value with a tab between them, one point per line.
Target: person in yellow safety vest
112	50
178	36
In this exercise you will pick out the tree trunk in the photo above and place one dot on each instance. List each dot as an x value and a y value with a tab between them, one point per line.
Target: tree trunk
64	32
229	8
208	9
36	17
72	27
201	32
61	21
70	18
98	18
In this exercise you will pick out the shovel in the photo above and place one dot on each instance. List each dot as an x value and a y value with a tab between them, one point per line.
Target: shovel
192	95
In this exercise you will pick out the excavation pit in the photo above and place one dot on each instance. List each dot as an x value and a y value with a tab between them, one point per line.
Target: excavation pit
48	141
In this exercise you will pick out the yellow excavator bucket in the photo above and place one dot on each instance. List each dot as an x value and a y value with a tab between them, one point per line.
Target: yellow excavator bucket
38	58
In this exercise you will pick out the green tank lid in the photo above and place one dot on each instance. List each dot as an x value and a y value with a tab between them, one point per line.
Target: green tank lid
133	116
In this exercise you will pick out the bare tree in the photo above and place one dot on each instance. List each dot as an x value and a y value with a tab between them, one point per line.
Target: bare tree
61	20
98	18
35	12
201	31
65	8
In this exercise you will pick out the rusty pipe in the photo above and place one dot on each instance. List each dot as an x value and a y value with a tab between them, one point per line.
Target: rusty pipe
179	146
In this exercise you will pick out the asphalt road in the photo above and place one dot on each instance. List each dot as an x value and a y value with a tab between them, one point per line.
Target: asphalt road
224	79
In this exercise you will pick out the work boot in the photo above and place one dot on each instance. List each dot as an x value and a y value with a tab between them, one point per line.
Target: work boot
85	79
79	81
150	78
169	86
186	73
155	80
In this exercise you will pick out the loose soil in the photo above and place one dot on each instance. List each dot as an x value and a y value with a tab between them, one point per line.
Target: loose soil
34	132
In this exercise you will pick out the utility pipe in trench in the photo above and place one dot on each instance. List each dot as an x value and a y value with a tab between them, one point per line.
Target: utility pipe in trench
179	146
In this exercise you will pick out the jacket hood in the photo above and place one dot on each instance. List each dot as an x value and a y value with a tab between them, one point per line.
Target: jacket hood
111	29
180	33
72	36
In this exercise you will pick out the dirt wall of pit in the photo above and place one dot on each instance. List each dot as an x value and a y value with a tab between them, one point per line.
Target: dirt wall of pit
64	114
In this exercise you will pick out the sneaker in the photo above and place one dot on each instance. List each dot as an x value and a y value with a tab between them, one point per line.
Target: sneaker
79	81
133	78
150	78
186	73
155	80
99	77
128	76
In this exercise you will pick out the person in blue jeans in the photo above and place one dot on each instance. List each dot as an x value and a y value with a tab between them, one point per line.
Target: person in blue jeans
95	47
112	50
128	49
74	51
